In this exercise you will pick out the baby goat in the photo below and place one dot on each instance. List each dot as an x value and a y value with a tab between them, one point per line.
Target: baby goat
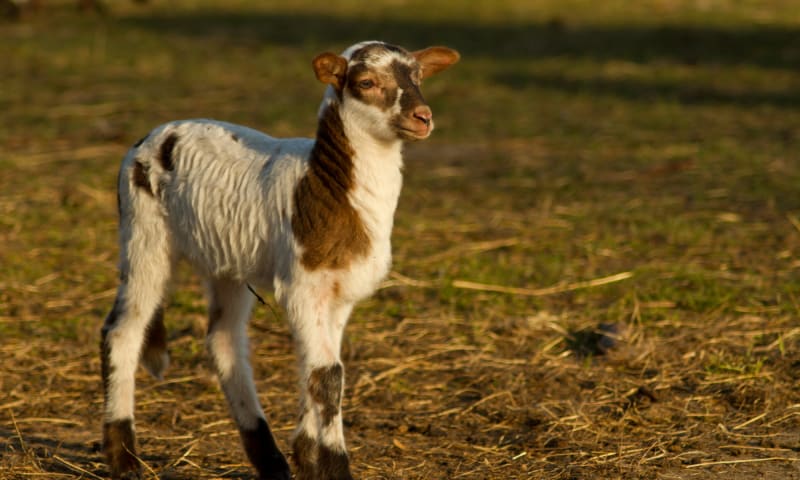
310	219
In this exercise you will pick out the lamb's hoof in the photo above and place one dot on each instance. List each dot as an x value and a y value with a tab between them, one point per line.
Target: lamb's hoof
125	466
129	475
118	444
283	474
279	469
126	469
333	465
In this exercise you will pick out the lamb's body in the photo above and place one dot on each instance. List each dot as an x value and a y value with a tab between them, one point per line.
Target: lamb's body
223	180
309	219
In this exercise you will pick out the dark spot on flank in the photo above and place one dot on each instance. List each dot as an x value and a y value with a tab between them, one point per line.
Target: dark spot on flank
325	387
140	177
235	137
165	152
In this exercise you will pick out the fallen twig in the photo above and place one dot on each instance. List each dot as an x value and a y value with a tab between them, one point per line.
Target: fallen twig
744	460
475	247
76	468
538	292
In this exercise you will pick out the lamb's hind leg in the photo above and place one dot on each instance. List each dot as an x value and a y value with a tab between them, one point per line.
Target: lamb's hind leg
135	308
231	303
146	265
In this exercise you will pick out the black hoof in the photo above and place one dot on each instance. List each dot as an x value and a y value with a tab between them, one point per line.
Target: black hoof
118	445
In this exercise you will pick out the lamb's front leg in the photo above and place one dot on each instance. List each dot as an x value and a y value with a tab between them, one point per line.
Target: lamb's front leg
229	311
319	446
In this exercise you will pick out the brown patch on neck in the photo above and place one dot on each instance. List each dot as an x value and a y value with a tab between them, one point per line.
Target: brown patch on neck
324	221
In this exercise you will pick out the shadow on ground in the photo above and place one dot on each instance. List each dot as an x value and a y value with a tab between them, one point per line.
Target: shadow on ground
756	46
766	47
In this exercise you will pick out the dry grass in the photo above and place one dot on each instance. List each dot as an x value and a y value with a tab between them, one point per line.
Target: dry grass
448	397
434	391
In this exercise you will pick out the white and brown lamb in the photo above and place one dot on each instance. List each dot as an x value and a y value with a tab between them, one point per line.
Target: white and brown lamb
309	219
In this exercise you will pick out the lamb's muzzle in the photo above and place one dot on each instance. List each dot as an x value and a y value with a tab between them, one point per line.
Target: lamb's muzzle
309	219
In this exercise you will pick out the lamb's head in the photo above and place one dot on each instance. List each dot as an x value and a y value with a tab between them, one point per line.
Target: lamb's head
377	86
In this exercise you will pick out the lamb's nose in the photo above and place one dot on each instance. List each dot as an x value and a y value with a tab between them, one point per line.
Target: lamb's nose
423	114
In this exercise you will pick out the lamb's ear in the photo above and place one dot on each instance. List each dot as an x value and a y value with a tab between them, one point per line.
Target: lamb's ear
435	59
330	68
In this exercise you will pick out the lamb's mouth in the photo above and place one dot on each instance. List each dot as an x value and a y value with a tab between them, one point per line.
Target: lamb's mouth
421	133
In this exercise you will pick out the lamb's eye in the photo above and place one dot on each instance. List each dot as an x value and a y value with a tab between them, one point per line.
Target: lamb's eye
366	84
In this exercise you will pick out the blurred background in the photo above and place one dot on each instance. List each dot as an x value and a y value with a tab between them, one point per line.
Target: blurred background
596	253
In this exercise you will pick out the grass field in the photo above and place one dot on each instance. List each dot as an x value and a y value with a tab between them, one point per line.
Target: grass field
597	253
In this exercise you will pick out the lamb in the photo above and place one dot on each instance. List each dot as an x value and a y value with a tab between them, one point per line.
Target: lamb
308	219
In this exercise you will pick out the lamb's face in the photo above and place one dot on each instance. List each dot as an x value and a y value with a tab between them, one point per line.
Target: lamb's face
382	86
379	87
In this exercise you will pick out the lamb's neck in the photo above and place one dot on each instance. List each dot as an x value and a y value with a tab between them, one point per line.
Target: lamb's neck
378	179
368	170
331	161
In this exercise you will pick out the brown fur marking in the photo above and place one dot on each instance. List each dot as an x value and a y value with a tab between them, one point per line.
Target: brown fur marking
363	53
155	344
383	97
304	456
214	315
165	152
140	177
324	221
105	366
263	453
119	441
333	464
119	448
325	387
412	96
